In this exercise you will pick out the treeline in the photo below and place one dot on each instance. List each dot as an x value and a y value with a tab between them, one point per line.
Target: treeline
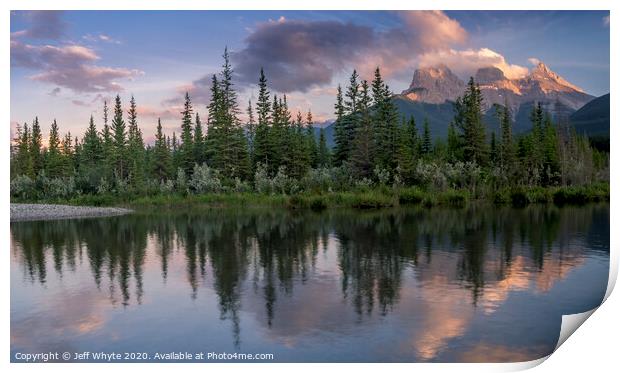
274	152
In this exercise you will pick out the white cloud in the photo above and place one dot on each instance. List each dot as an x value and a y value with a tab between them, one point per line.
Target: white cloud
466	62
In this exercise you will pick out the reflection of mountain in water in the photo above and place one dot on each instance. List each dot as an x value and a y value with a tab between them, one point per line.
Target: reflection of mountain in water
281	265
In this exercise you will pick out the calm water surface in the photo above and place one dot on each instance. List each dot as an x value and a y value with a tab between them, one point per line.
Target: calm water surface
476	284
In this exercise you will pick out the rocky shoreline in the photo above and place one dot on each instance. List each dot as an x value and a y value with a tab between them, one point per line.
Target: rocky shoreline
24	211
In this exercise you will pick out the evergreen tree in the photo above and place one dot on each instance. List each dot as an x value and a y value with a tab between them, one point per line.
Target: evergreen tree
341	138
36	147
323	154
92	149
363	144
230	145
108	144
53	159
454	150
311	145
23	160
263	144
186	149
427	145
468	119
250	129
162	165
199	142
135	149
119	140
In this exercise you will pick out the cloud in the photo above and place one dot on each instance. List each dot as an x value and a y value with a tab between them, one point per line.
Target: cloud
300	55
100	38
44	24
606	20
533	60
199	91
465	63
80	103
69	66
54	92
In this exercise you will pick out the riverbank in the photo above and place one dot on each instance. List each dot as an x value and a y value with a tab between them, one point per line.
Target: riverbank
24	211
358	199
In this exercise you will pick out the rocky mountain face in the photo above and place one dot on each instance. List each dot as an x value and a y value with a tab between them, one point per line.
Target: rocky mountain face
437	85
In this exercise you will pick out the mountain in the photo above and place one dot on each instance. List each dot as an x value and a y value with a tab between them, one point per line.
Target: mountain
433	91
437	85
593	118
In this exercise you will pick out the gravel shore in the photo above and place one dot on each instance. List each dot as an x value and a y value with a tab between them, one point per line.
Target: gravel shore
23	211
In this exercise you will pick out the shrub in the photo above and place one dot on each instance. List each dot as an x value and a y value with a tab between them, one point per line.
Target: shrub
205	180
166	187
23	187
181	183
317	180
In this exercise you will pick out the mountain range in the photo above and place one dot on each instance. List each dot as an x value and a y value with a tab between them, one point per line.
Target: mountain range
433	91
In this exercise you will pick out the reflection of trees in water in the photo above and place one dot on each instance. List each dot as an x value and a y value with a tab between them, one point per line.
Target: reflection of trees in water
277	250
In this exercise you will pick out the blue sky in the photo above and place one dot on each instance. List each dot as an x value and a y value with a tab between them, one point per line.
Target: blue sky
64	64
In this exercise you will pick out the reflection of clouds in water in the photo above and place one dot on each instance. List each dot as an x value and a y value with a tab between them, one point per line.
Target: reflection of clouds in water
486	353
417	282
63	317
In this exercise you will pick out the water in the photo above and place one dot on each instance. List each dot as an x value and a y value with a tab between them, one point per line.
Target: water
476	284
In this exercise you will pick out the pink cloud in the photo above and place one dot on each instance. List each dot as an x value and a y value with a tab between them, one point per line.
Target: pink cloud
466	62
69	66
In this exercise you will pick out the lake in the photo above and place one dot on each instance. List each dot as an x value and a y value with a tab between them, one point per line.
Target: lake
479	284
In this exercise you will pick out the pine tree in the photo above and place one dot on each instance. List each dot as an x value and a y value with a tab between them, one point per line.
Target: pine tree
341	138
53	159
92	149
162	166
323	154
23	160
119	140
68	155
230	145
108	144
454	149
427	145
263	144
468	119
199	142
310	139
362	155
250	127
186	149
135	149
36	147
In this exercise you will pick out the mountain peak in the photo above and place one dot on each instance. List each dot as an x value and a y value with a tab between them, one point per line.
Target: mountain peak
434	84
550	81
437	84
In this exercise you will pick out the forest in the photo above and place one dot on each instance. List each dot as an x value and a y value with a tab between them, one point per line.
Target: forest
274	157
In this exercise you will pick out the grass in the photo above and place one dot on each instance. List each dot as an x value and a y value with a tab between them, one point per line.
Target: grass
360	199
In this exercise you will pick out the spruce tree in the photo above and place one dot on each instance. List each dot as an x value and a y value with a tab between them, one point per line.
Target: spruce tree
362	155
36	147
162	166
186	149
427	145
119	140
53	159
323	154
263	144
468	119
310	139
135	149
199	142
341	138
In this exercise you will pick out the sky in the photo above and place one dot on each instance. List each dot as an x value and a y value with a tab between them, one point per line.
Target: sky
64	64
